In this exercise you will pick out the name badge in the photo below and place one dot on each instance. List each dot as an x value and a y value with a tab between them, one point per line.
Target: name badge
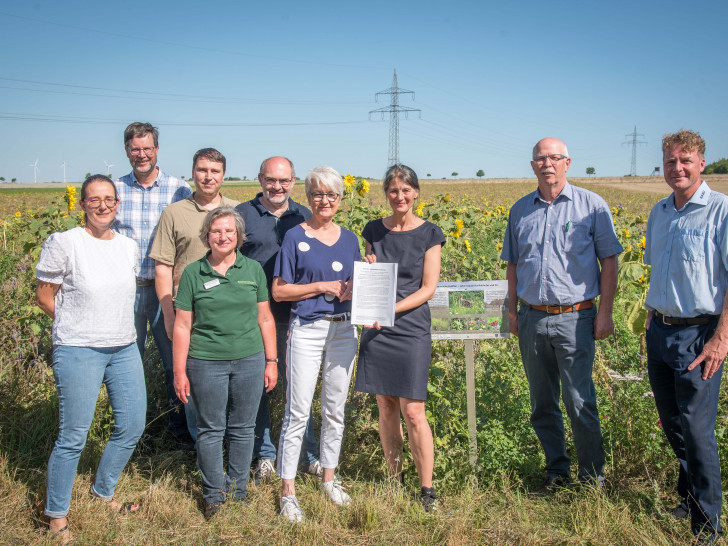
211	284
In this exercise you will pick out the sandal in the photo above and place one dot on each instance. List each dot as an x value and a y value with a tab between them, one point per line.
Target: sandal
62	536
124	509
128	508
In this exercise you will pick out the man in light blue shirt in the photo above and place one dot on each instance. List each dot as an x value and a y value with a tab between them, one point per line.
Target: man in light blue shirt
561	250
143	194
687	330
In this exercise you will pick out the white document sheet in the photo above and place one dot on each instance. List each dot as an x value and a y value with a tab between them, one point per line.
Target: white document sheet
374	294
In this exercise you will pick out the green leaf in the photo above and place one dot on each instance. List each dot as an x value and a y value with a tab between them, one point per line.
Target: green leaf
635	315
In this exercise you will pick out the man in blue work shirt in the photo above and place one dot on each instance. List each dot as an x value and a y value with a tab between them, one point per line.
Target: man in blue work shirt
561	250
267	219
143	194
687	330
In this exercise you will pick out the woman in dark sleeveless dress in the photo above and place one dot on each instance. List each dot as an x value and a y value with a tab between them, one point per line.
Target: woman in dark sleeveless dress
394	362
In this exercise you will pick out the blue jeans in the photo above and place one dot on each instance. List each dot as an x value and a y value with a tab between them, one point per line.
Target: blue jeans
264	447
147	310
558	354
79	372
226	393
688	406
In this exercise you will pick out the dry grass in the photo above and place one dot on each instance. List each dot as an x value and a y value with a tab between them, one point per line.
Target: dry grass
502	512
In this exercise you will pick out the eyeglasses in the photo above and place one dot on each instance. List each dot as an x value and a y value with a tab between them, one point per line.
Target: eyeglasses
555	158
272	181
138	151
95	202
330	196
220	232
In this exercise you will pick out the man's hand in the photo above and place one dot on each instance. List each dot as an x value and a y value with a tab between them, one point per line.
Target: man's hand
513	322
711	356
603	325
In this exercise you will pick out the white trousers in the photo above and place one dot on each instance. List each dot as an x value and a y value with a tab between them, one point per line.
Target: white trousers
333	345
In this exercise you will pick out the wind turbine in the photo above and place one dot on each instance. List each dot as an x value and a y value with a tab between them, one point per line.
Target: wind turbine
35	171
64	170
108	168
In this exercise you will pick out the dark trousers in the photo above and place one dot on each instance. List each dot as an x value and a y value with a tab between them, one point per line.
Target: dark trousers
688	406
147	310
558	356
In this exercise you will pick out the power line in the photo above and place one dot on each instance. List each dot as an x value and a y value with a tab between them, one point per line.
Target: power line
172	97
394	109
100	121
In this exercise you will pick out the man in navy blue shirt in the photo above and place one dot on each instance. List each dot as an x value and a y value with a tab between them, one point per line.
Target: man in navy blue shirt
267	218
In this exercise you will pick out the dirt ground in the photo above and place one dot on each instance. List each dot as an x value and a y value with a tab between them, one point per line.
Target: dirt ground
650	184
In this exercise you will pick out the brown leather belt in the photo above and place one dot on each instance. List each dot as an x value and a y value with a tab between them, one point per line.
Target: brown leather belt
145	282
558	309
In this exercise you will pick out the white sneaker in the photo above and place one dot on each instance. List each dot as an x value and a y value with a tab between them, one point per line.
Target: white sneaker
315	469
291	510
335	491
264	471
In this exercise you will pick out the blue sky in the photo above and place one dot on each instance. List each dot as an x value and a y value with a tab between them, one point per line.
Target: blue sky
255	79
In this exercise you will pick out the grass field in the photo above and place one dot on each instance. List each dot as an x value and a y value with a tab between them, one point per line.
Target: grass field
497	502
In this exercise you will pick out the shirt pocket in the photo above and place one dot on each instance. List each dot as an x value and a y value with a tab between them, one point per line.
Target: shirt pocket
577	237
692	243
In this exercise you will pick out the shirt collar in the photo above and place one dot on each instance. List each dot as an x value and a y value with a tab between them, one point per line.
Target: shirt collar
567	192
700	197
207	269
292	206
134	180
199	208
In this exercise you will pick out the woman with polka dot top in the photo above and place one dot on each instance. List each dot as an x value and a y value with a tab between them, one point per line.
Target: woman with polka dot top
314	270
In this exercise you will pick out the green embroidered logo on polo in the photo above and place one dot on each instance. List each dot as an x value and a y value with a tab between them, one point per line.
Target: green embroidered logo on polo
251	283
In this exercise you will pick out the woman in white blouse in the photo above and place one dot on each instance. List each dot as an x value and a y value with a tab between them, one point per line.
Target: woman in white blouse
86	284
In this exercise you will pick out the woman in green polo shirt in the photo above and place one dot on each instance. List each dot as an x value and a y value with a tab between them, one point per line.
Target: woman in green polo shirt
224	353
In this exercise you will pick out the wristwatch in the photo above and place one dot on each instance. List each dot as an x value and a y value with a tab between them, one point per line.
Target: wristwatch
271	360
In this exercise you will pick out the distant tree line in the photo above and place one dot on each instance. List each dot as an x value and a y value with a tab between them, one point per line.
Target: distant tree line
718	167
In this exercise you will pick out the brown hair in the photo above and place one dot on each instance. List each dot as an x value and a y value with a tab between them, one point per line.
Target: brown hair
139	129
97	178
210	154
403	173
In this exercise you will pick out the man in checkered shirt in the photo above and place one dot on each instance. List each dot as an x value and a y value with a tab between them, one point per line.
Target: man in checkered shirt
144	193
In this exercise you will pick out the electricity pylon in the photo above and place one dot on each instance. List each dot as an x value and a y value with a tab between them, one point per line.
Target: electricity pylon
394	109
634	142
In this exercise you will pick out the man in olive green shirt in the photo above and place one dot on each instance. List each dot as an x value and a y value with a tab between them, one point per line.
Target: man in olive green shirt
177	241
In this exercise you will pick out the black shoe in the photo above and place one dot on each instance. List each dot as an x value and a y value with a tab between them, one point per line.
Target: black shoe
707	539
211	508
428	499
681	511
555	481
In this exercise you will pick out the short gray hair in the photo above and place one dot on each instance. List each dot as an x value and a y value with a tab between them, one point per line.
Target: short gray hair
325	177
140	130
222	212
